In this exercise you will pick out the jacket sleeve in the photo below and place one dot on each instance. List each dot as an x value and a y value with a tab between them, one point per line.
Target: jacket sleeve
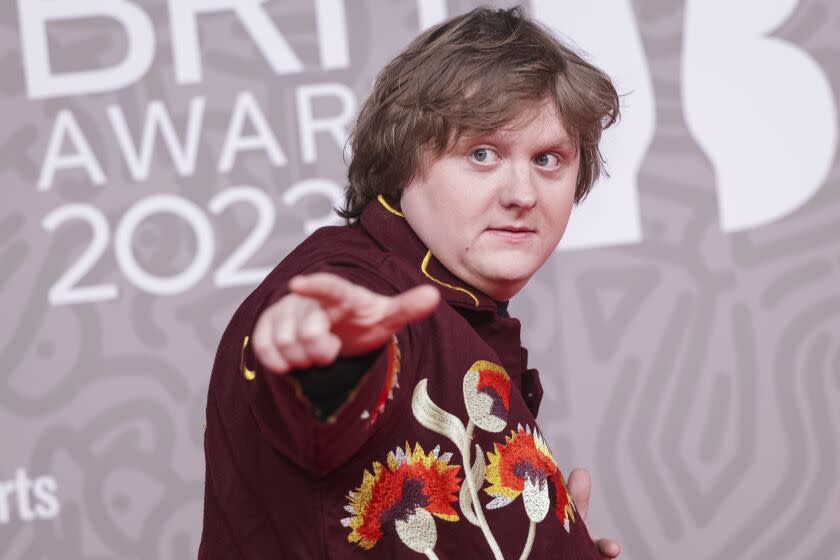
285	415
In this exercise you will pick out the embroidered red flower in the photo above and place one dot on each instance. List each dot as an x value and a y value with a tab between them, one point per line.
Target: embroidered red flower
523	465
487	395
407	491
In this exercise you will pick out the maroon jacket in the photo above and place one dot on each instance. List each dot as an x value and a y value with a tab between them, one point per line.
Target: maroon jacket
385	474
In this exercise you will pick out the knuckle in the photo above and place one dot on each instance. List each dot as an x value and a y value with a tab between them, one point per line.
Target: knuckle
293	353
309	337
261	343
283	340
313	330
284	332
287	348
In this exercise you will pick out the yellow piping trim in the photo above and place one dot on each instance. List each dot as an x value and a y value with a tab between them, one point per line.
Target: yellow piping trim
388	207
425	264
249	374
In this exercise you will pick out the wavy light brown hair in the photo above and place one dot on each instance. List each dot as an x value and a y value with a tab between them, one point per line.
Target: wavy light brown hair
473	74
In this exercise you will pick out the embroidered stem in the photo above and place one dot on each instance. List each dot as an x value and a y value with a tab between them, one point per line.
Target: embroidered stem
431	554
532	530
479	472
476	505
433	417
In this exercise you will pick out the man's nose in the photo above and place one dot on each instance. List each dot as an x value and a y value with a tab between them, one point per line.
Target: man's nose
519	189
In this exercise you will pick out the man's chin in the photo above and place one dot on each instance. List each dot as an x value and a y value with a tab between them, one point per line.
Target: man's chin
502	287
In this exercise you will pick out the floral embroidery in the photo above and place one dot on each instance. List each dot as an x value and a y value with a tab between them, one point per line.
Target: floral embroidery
524	465
431	416
407	492
564	507
391	383
487	395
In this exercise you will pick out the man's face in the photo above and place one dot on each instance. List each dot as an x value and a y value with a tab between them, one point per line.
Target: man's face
493	208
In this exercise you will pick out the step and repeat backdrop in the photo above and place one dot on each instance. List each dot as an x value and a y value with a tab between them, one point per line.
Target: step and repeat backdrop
160	157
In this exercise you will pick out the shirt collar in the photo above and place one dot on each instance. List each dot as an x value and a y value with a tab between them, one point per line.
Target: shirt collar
389	228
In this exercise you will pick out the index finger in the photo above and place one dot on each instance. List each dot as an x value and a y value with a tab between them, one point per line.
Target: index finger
329	289
411	305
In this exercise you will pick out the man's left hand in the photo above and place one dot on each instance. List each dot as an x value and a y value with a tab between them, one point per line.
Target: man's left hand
580	487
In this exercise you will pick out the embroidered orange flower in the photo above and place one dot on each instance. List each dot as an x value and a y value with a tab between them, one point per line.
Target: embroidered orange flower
407	491
523	465
487	395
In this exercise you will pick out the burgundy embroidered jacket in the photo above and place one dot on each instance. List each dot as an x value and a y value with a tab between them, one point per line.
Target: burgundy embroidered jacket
435	451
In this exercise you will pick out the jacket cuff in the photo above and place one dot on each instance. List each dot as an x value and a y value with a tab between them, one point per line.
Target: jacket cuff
285	416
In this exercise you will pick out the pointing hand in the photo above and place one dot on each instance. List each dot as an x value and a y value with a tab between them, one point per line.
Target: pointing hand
326	316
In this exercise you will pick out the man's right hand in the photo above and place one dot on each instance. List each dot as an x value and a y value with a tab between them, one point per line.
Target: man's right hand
326	316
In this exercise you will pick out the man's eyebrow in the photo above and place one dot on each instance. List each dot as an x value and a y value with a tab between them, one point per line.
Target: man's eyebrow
562	143
472	137
567	146
563	138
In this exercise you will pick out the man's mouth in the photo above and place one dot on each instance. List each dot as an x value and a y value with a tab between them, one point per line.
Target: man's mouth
513	229
513	233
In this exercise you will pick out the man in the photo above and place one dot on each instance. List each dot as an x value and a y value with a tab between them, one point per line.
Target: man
351	412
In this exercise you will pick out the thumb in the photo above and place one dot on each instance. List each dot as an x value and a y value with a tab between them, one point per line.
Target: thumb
579	484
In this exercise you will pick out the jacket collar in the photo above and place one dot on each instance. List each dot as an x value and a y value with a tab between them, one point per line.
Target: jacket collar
389	228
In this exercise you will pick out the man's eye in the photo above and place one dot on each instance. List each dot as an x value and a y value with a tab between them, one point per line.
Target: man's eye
483	155
547	160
